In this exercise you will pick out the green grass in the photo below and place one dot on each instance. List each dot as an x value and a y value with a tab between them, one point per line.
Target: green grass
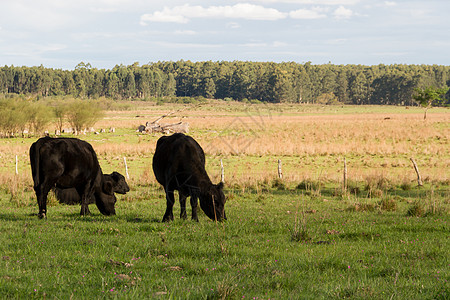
344	252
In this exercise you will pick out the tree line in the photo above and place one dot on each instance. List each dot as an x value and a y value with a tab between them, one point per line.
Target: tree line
20	117
237	80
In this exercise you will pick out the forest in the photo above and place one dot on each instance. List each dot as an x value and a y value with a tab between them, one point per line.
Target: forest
237	80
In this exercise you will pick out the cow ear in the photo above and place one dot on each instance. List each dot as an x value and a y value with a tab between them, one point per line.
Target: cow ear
115	176
108	187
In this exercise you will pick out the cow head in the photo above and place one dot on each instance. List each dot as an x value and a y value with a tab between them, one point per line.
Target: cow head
120	186
213	203
105	199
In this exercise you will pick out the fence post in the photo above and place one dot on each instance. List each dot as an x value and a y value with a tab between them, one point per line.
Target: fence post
280	173
345	175
126	167
419	179
222	172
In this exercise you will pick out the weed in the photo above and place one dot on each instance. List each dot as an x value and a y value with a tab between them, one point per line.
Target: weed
279	184
387	204
353	188
299	233
225	289
416	210
406	185
309	185
375	185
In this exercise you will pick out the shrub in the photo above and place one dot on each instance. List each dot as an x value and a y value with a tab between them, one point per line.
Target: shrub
417	210
375	185
278	184
83	114
308	185
39	116
388	204
406	186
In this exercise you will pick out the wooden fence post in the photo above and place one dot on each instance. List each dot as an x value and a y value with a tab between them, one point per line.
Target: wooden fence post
280	173
419	179
126	167
222	172
345	175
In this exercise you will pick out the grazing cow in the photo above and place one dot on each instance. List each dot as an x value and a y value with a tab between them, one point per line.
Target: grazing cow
70	196
69	163
179	164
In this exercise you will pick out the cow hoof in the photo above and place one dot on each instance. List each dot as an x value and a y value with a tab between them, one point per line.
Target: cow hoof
42	216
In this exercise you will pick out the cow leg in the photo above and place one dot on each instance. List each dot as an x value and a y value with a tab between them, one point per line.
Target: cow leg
42	191
85	197
183	214
194	204
170	201
85	210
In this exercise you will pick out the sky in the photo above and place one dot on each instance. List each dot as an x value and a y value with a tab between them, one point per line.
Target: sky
62	33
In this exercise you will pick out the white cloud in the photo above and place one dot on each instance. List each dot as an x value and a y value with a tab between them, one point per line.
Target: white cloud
343	13
260	44
308	14
390	3
185	32
233	25
279	44
314	2
171	45
166	15
336	41
182	14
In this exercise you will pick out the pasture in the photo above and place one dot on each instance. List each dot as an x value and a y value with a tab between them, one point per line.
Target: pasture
301	236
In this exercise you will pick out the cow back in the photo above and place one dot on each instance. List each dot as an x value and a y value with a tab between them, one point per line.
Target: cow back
179	160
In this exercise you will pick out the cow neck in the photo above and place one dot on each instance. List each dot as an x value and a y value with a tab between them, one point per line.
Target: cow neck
99	182
205	186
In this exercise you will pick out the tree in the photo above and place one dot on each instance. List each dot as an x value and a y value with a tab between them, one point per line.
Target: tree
210	88
358	88
83	114
14	116
39	116
130	85
430	96
328	99
60	111
170	86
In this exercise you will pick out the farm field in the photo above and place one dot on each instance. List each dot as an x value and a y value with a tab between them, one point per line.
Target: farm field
301	236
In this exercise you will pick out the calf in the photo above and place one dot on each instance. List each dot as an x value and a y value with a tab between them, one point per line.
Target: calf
70	196
179	164
69	163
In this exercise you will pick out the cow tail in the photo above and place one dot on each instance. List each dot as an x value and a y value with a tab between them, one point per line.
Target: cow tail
34	159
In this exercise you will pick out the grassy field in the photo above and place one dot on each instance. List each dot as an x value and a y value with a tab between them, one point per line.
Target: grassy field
302	236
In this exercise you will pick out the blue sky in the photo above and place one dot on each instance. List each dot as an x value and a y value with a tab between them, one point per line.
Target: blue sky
60	34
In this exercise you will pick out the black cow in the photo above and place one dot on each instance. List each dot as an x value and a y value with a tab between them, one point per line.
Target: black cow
70	196
69	163
179	164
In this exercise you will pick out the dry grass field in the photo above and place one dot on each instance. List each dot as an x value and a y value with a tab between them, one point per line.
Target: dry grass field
311	141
